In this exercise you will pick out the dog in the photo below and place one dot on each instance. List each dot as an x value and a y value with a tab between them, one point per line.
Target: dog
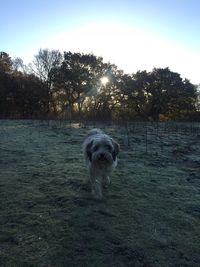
100	153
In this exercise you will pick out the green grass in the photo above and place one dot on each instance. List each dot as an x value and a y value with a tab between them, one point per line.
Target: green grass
150	215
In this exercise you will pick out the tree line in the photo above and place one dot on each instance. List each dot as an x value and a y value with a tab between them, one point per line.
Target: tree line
73	86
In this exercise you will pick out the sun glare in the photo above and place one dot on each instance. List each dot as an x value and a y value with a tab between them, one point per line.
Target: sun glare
104	80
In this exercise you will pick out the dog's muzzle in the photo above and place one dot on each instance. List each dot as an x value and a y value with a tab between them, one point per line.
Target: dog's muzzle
104	158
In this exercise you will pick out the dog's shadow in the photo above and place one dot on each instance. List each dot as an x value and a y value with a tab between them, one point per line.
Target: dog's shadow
84	195
78	185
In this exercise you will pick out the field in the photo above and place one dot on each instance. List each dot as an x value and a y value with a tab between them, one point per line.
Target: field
150	215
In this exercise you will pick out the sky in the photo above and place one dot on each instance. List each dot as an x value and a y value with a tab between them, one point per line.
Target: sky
132	34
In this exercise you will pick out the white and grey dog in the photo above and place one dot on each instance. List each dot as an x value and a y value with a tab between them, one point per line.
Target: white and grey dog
100	152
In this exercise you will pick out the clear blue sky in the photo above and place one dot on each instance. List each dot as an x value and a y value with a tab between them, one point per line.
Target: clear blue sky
133	34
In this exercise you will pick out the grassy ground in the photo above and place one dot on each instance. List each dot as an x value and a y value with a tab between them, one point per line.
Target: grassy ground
150	215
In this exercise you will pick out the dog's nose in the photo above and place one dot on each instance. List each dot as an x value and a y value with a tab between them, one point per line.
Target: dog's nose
101	155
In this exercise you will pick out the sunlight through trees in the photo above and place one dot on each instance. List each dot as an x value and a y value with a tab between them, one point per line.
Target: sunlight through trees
82	86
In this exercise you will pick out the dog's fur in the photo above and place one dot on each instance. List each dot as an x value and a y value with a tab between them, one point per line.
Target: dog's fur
100	152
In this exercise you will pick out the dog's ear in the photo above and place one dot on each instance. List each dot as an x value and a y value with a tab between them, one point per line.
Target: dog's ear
116	149
88	150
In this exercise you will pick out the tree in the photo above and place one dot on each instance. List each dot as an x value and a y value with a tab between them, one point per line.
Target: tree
74	85
133	95
109	94
29	96
44	66
168	94
77	79
18	66
6	84
5	63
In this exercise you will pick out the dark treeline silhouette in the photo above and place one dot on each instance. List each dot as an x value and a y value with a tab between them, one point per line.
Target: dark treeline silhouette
70	86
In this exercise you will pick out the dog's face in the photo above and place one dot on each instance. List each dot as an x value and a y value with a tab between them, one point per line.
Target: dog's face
102	150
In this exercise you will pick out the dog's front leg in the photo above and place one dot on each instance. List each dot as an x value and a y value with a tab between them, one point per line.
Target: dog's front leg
96	187
106	181
97	190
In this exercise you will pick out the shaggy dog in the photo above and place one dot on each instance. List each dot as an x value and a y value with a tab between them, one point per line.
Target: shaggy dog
100	152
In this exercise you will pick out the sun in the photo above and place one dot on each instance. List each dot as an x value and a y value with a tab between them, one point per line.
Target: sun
104	80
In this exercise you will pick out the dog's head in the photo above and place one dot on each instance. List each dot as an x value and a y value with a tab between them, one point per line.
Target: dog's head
102	149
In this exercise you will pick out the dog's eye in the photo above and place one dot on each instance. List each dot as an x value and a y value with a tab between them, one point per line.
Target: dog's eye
109	147
95	148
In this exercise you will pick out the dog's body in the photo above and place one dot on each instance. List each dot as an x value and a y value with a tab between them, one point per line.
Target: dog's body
100	152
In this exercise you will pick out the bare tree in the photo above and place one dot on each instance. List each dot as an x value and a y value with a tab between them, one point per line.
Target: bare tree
43	66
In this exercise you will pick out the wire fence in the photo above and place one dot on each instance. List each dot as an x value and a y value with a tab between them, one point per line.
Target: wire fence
142	137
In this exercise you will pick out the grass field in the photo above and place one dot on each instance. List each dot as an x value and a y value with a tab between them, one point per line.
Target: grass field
150	215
